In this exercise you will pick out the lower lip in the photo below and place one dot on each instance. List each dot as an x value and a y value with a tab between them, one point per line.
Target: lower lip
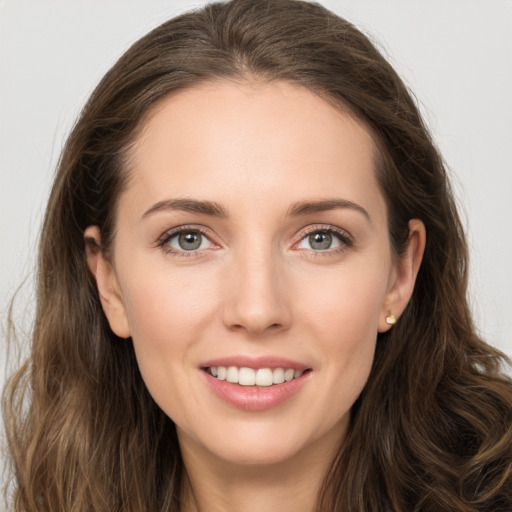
255	398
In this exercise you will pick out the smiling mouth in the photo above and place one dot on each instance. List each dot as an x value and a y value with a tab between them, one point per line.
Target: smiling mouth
264	377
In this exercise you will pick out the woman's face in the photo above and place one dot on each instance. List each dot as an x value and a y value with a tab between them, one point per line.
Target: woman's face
252	247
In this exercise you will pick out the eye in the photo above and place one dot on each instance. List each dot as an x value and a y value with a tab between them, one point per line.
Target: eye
324	240
187	240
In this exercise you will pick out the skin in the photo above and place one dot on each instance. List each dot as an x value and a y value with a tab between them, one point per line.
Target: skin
257	285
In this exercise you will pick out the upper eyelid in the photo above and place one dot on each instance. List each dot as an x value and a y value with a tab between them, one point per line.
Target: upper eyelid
171	233
324	227
345	239
301	234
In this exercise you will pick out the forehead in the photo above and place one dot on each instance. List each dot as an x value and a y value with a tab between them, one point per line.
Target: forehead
246	137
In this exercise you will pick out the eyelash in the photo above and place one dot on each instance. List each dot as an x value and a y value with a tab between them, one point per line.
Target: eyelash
346	240
163	241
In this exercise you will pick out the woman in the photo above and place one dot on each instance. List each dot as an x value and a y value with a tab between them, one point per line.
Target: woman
252	289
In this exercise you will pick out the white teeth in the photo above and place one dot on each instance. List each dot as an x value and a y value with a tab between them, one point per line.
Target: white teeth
288	374
249	377
232	374
278	376
264	377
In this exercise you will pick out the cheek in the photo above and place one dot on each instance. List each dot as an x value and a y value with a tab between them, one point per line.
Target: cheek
166	302
167	312
341	313
345	303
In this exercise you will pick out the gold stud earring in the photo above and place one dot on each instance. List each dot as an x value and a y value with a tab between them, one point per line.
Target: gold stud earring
391	319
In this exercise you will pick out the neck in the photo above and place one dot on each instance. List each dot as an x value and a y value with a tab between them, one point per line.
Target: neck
293	485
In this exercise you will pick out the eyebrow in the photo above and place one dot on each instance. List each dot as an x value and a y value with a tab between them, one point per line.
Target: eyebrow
214	209
308	207
188	205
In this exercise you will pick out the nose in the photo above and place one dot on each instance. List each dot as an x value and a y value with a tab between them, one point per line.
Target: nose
256	295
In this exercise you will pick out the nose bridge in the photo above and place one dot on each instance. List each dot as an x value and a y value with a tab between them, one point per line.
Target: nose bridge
256	295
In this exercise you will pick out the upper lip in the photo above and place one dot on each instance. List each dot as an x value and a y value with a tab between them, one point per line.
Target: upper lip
267	361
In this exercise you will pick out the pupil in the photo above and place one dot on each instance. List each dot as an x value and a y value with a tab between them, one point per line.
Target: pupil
320	241
189	241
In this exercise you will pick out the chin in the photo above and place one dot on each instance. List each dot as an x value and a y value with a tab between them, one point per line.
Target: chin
268	443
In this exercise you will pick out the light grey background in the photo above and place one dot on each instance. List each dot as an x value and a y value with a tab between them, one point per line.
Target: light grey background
456	55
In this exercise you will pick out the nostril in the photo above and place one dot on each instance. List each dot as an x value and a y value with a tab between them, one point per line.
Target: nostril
256	331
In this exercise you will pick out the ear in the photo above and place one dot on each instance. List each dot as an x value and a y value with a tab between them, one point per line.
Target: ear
403	277
106	280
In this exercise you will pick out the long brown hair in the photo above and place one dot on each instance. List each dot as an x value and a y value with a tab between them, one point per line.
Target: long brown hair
432	430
